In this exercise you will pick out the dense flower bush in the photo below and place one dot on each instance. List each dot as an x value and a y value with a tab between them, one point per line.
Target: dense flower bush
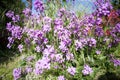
65	46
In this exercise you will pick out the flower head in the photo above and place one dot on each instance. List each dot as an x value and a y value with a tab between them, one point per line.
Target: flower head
17	73
61	78
71	70
87	70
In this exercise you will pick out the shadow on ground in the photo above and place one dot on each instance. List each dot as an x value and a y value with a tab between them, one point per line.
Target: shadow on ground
109	76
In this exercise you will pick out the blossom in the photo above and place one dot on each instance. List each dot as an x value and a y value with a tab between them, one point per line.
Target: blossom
10	14
30	58
69	56
71	70
98	52
17	73
78	44
116	62
28	69
59	58
117	27
26	12
38	49
38	5
99	31
46	28
41	65
20	47
91	42
61	78
16	18
87	70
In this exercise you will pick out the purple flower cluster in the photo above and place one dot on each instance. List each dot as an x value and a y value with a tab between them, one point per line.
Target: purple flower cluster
116	62
26	12
104	8
99	31
41	65
71	70
87	70
28	69
20	47
38	5
16	33
61	78
10	14
17	73
15	18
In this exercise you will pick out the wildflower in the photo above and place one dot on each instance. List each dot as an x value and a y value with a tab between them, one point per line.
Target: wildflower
78	44
99	31
71	70
46	28
28	69
16	18
61	78
20	47
69	56
38	4
91	42
87	70
29	58
98	52
41	65
10	14
38	49
26	12
17	73
116	62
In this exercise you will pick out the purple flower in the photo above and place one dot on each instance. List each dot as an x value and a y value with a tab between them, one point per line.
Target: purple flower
10	14
98	21
117	27
28	69
41	65
99	31
16	18
98	52
116	62
61	78
30	58
47	20
17	73
59	58
49	51
87	70
20	47
9	26
78	44
71	70
38	49
26	12
16	32
46	28
69	56
91	42
38	5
